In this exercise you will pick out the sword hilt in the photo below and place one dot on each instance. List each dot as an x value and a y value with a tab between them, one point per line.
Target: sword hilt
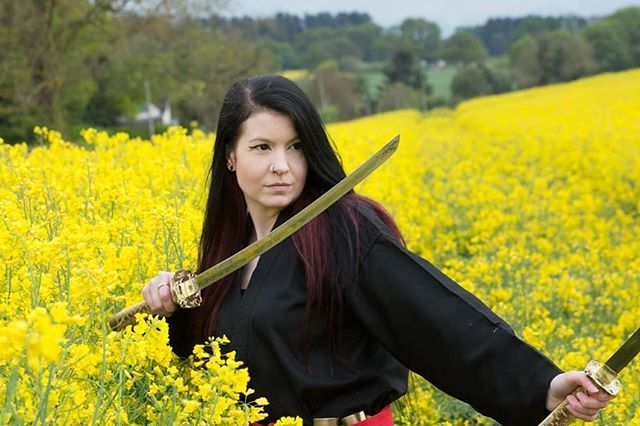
602	376
184	293
128	316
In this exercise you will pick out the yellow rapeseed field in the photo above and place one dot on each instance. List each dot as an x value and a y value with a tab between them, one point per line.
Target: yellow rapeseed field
530	200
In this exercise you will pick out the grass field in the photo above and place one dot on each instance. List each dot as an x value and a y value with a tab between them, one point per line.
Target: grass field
440	80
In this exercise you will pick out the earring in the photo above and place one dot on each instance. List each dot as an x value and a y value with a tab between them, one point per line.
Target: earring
230	166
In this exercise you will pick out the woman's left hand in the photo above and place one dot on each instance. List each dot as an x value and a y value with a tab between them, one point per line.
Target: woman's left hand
585	404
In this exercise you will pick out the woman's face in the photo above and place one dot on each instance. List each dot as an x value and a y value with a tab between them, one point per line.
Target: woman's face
269	163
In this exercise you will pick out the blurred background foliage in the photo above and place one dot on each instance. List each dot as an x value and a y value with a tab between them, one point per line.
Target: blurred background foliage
69	64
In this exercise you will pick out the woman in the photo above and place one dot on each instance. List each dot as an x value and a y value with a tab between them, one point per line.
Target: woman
330	320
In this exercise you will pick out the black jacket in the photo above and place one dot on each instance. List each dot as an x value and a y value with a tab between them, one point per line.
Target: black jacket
403	314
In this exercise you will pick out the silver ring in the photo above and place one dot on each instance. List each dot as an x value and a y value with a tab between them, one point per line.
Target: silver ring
162	285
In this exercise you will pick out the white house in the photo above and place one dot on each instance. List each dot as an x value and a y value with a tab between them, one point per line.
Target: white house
153	112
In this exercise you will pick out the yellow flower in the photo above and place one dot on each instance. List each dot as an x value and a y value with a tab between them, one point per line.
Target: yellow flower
189	406
261	401
528	199
289	421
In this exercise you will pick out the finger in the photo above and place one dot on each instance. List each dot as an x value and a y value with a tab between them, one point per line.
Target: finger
581	416
156	303
164	288
147	291
588	401
588	384
579	410
601	396
165	276
165	297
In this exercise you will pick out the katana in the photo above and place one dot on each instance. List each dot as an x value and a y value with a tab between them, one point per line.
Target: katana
185	286
603	376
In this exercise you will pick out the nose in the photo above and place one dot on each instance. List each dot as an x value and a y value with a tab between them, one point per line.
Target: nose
280	164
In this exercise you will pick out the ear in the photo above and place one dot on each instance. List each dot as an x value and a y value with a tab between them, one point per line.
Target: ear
231	157
231	161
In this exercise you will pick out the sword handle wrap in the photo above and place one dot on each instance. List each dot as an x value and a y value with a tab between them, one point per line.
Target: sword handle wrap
601	376
560	416
184	293
128	316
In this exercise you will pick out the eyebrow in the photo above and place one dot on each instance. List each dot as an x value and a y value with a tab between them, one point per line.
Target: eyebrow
261	139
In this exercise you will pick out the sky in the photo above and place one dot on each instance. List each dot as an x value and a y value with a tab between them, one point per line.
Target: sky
448	14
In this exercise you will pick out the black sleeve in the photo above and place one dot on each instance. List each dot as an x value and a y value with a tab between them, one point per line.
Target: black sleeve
442	332
180	336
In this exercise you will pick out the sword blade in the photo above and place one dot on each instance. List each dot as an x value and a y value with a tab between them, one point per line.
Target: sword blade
241	258
625	353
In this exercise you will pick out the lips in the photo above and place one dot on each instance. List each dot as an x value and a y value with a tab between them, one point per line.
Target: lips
279	185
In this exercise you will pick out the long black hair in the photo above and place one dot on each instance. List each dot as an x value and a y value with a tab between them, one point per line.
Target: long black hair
226	225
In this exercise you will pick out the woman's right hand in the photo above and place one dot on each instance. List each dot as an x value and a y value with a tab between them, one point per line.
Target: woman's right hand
157	295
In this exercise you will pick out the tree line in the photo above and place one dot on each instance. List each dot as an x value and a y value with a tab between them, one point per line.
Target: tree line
67	64
501	55
73	63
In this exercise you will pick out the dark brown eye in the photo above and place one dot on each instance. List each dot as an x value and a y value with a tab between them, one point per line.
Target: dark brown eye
261	147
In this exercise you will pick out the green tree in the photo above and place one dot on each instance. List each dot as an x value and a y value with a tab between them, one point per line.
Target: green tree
524	62
61	60
629	21
564	56
553	57
333	93
207	62
104	107
364	36
290	26
399	96
45	45
142	49
423	36
499	34
184	61
616	40
404	67
339	20
463	48
469	82
284	55
610	48
384	46
322	44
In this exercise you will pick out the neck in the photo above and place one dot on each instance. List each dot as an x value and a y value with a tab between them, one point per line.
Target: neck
263	222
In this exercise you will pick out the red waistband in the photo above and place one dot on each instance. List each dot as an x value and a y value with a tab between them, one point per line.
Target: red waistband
383	418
